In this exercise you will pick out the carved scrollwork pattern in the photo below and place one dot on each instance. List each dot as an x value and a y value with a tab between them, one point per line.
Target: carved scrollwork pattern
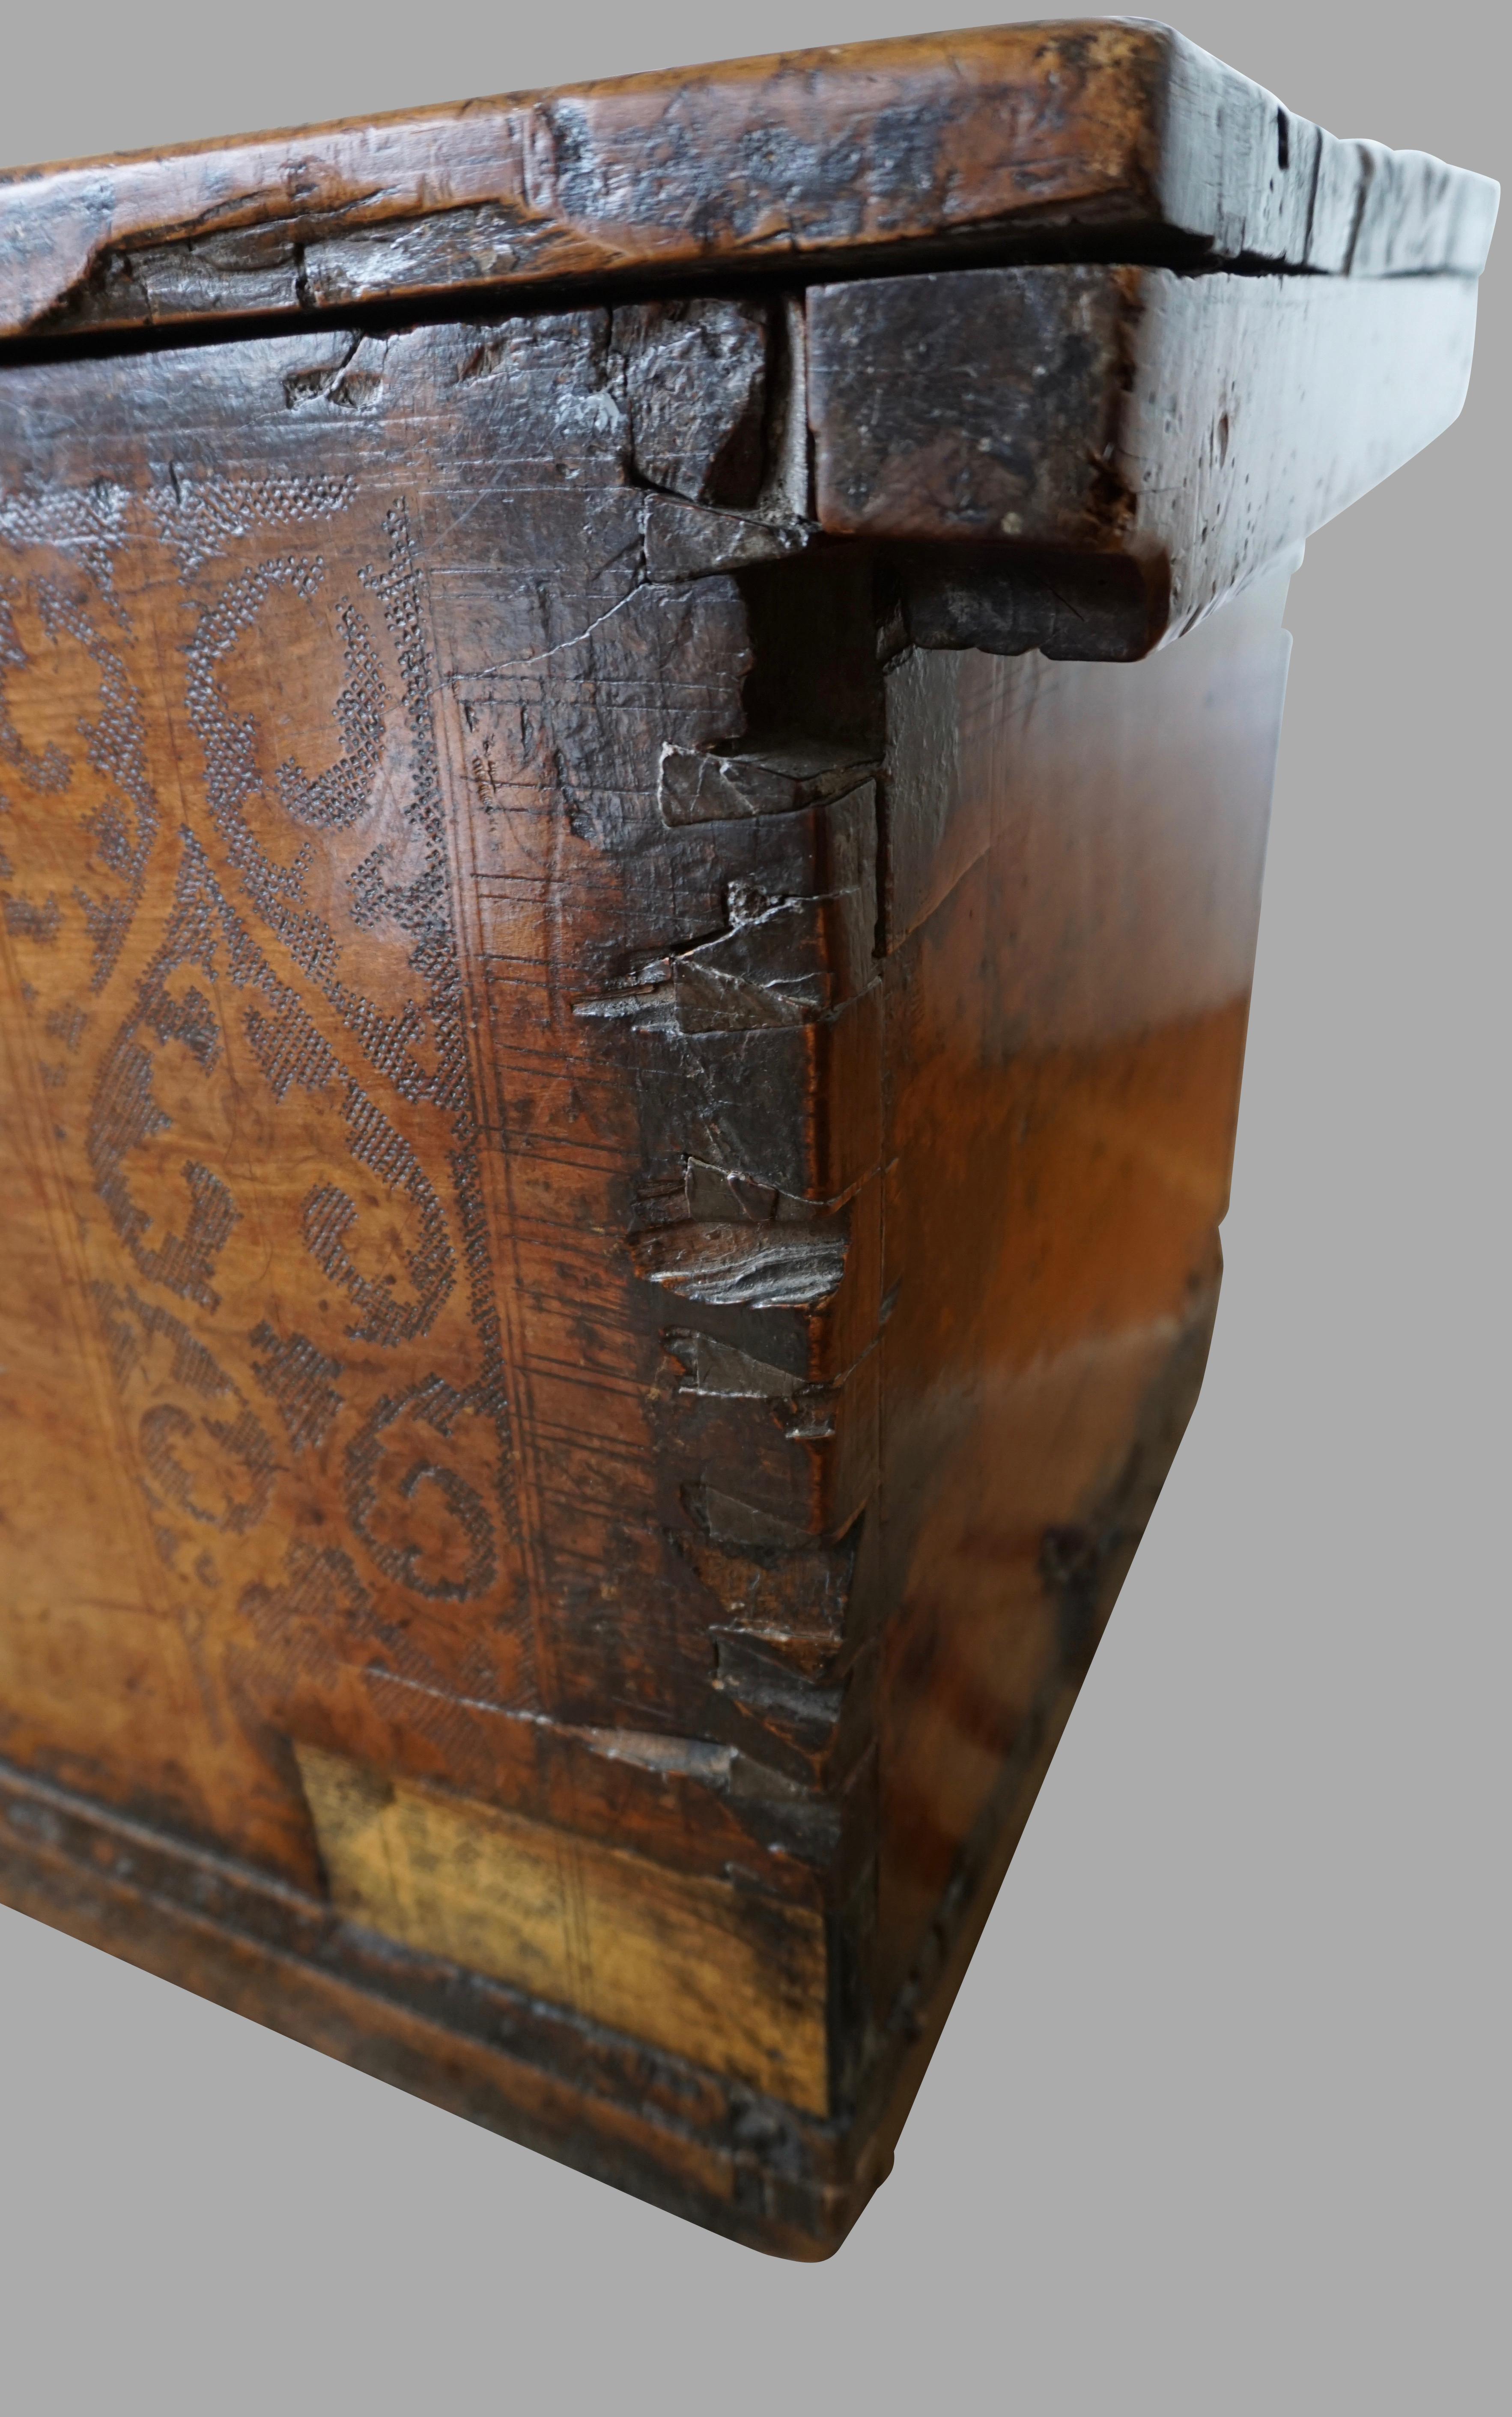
226	908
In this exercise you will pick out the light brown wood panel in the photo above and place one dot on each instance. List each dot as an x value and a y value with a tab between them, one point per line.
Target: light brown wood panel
699	1967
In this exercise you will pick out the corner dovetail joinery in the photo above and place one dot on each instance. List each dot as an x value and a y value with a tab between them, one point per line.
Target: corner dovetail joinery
627	926
465	1155
594	1489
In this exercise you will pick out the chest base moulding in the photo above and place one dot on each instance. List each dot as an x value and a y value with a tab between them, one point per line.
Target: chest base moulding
636	728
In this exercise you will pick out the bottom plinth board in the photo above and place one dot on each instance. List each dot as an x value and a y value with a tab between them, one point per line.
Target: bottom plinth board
685	2139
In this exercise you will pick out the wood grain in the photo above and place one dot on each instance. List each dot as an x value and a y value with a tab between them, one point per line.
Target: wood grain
709	1970
1199	427
377	1218
653	2124
1075	854
1025	140
621	1009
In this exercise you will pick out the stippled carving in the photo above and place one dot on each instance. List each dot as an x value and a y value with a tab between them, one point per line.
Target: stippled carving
88	526
285	1038
172	1020
408	1447
205	1455
242	1471
113	817
198	517
300	1382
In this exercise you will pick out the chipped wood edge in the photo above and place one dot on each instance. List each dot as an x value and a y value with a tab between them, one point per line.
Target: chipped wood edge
1153	136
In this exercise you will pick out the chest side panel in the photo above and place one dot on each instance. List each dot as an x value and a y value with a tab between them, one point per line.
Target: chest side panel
336	693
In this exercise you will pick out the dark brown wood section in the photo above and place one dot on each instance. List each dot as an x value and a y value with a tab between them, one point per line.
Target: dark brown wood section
623	972
1190	429
1025	140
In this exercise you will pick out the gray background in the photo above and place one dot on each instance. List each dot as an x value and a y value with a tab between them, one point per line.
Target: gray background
1218	2124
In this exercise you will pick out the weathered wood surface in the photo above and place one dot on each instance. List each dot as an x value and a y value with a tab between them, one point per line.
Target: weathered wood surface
398	1005
612	1147
1020	141
655	2125
1199	427
474	1184
715	1973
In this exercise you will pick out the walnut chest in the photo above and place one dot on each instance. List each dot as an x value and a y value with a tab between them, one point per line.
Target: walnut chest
636	726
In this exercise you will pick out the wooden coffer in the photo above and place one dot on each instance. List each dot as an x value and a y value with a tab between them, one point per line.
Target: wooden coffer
635	735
